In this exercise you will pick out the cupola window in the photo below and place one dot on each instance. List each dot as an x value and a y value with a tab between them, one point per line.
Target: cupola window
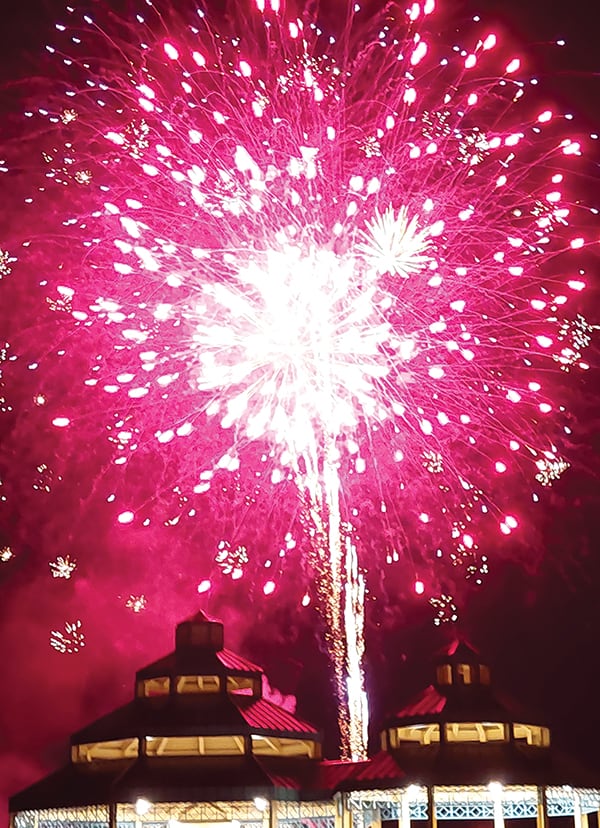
147	688
464	674
531	735
197	684
243	686
195	745
111	750
275	746
444	674
476	732
420	734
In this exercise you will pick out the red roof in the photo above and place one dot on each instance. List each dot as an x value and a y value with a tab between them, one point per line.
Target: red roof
265	715
428	703
233	661
333	774
381	769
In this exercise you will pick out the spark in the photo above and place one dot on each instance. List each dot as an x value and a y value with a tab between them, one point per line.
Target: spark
446	611
6	554
136	603
72	640
550	470
231	561
5	263
433	462
62	567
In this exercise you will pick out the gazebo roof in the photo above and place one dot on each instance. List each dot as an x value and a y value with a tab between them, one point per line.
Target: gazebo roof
208	716
198	729
475	700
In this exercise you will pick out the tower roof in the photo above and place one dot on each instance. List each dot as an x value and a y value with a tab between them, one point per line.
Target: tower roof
460	730
198	728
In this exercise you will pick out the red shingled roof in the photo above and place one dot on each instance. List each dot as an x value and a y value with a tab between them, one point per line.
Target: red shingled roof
265	715
428	703
233	661
333	774
382	769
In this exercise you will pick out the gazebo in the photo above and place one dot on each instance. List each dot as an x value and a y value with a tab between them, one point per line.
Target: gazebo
460	751
200	747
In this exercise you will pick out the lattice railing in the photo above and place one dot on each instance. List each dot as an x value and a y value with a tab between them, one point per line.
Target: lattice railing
92	816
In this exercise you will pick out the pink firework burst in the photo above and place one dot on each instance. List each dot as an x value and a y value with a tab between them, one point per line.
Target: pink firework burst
330	265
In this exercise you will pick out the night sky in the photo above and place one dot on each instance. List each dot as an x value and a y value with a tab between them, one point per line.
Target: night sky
536	619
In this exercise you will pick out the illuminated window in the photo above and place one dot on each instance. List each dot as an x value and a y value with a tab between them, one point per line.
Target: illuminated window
115	749
153	687
195	745
198	684
476	732
464	674
242	686
444	674
421	734
531	735
273	746
484	674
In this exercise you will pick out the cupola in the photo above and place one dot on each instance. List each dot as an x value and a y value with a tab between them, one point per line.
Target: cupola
461	707
200	701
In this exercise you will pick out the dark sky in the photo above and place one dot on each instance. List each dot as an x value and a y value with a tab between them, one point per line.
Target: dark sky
536	620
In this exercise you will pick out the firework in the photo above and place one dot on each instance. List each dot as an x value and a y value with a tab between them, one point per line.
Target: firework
136	603
324	274
62	567
72	640
6	554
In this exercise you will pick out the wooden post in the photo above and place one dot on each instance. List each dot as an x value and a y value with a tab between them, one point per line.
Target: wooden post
405	810
580	819
431	815
498	812
375	818
542	809
343	816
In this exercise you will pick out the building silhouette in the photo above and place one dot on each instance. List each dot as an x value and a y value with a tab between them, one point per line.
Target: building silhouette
200	747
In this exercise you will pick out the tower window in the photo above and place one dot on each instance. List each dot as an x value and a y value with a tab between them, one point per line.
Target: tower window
444	674
476	732
198	684
464	674
148	688
531	735
421	734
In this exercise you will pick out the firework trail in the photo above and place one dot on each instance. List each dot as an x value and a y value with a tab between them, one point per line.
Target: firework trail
331	260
